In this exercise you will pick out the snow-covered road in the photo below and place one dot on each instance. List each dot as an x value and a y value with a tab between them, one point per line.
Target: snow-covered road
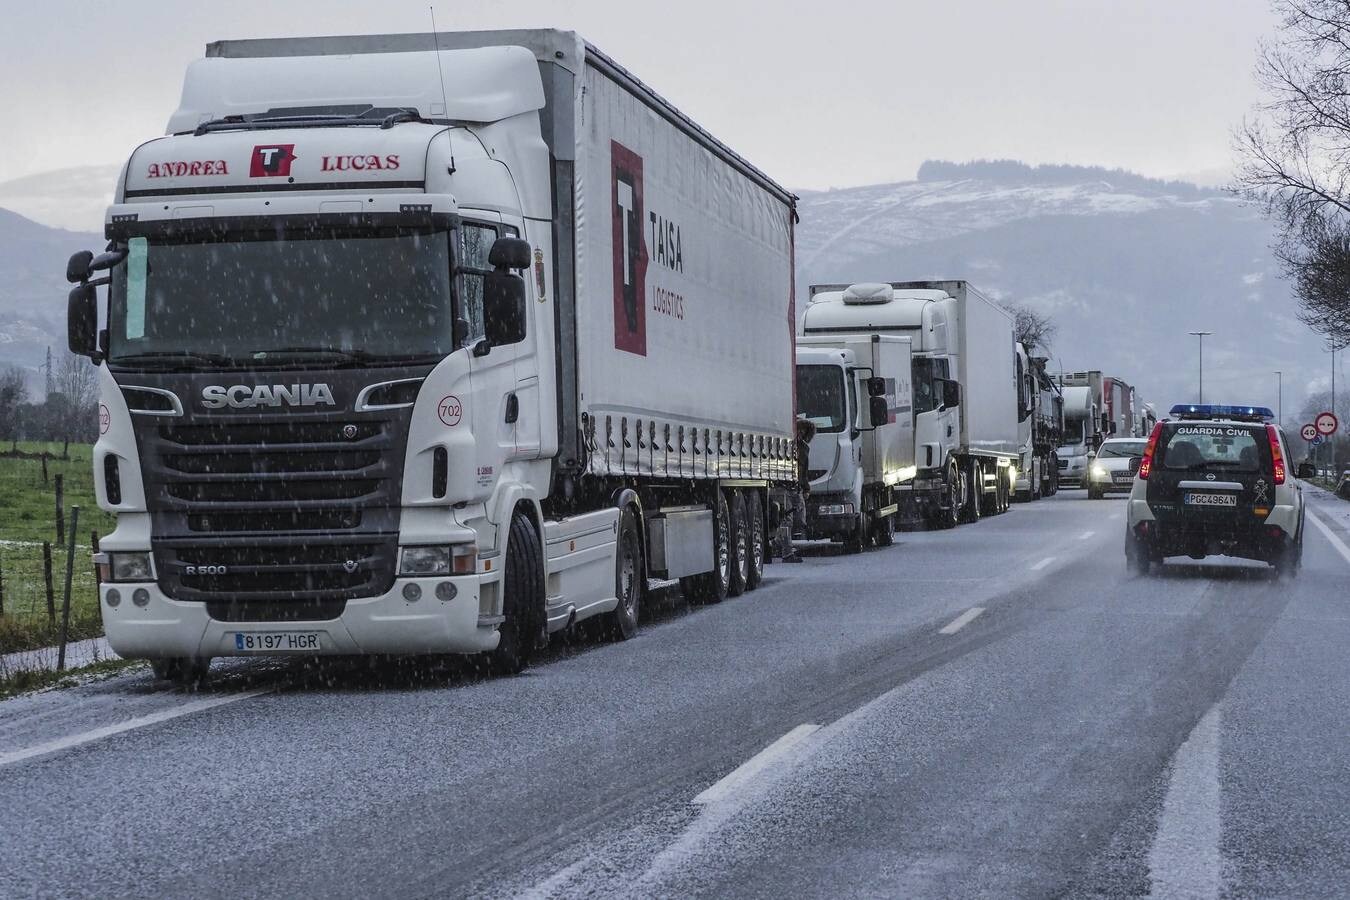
999	710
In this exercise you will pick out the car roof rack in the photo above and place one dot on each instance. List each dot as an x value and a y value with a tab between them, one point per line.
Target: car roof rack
1219	411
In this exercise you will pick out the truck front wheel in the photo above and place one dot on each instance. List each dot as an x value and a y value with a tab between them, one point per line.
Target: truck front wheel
184	671
948	515
522	600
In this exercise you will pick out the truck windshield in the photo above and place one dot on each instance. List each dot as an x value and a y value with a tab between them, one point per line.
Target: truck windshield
1073	431
377	295
820	397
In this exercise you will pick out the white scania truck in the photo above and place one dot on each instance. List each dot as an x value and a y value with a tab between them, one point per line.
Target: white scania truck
963	382
856	390
430	344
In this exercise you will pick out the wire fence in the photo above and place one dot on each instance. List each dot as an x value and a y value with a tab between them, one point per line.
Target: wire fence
38	489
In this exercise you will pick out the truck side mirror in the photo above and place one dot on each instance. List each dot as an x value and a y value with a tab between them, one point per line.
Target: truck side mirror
876	386
951	393
503	308
77	269
82	320
509	253
880	413
1306	470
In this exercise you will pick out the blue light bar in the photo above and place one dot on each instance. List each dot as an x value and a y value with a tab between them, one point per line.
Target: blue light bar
1216	411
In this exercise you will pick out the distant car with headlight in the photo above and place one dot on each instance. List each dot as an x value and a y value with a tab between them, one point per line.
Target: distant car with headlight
1214	480
1112	469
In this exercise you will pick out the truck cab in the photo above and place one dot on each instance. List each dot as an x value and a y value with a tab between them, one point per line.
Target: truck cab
856	392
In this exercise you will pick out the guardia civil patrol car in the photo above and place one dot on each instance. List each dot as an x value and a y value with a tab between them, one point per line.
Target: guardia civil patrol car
1214	480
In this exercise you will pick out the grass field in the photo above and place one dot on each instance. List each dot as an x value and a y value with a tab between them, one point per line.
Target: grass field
27	518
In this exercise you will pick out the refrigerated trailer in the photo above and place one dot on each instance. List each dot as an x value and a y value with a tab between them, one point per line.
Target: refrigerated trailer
856	390
430	344
965	389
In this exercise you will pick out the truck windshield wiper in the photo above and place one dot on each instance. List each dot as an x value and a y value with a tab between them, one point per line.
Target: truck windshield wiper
171	358
275	354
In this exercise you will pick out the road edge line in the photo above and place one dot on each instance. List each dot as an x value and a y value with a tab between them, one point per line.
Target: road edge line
56	745
1330	535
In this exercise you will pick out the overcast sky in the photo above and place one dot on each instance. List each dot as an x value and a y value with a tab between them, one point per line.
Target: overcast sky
818	94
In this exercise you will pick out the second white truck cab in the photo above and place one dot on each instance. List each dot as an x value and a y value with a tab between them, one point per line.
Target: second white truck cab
856	391
964	387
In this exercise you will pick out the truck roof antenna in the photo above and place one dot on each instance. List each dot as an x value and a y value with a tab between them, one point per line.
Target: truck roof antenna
445	101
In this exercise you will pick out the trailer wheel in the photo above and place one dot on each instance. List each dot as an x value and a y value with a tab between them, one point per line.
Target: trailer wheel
621	623
759	550
185	671
740	545
522	600
712	587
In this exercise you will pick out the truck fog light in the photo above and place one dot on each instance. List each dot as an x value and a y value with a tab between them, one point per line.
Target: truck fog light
141	597
113	597
446	591
412	592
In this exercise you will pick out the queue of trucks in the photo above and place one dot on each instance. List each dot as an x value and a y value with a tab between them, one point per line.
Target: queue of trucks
425	344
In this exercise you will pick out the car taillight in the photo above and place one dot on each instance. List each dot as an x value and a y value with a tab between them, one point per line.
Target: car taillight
1146	464
1275	455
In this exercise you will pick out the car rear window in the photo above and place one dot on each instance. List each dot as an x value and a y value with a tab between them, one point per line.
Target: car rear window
1233	448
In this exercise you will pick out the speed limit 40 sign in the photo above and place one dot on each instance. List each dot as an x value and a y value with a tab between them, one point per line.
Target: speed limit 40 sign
1309	432
1326	423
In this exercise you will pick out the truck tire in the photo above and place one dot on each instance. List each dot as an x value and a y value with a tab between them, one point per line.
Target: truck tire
712	587
522	600
974	494
855	540
621	623
883	531
740	544
759	549
185	671
949	514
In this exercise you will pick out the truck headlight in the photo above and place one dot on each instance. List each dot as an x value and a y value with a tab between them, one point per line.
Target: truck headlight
127	567
452	559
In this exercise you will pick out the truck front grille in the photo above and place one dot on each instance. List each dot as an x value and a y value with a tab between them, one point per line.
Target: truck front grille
280	570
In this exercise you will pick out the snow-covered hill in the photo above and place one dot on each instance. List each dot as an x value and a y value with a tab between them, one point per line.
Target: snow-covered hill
1125	265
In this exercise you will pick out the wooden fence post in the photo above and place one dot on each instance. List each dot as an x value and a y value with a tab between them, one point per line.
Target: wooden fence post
93	548
60	511
2	587
47	577
44	466
65	595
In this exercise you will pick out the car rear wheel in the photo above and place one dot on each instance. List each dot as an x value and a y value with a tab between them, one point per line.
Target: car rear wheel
1137	555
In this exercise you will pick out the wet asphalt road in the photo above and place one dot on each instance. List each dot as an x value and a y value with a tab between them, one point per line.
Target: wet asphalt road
853	728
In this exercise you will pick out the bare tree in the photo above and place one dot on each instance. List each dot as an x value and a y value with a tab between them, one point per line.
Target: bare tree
1032	329
13	394
77	382
1295	155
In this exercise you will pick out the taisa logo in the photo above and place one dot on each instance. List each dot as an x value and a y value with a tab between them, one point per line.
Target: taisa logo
630	253
271	160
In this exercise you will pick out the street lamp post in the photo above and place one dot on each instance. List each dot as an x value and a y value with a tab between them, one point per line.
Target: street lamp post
1201	335
1279	396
